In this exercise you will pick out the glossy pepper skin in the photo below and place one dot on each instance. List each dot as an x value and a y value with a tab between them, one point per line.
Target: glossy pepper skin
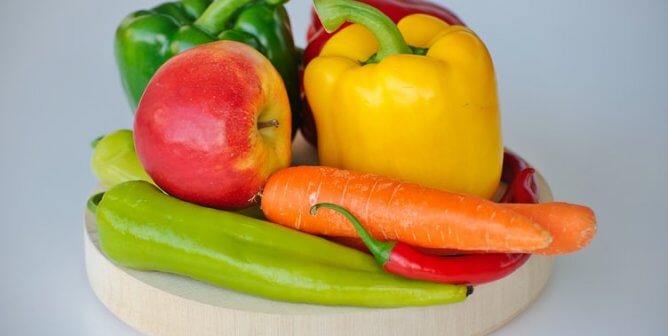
146	39
521	179
396	10
382	107
142	228
406	261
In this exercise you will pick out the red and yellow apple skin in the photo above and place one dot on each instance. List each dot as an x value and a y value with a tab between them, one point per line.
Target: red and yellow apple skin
213	124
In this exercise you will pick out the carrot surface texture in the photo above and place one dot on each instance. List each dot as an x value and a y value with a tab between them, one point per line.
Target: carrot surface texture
397	211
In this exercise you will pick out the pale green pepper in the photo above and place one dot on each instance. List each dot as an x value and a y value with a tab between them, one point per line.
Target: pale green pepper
115	160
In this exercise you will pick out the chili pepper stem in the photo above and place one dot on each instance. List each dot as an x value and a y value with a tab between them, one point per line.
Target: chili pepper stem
94	201
334	13
96	141
380	250
218	14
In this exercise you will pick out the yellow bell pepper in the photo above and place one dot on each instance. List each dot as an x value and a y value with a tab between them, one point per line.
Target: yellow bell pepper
416	101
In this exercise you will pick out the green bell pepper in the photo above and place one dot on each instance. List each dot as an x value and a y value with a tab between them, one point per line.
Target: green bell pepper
142	228
146	39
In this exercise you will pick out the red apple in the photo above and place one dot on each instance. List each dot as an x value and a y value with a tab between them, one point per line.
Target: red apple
213	124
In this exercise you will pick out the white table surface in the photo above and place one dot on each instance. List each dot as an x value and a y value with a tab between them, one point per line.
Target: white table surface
583	86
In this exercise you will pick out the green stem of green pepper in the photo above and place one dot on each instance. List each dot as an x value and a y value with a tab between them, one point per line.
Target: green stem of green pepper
219	13
276	2
334	13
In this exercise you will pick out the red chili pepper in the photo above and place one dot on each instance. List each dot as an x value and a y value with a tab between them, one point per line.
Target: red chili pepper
404	260
317	36
472	269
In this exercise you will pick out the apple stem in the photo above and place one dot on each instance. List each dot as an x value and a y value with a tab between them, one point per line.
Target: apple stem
267	123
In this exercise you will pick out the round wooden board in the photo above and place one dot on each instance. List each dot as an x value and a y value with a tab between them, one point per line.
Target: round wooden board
164	304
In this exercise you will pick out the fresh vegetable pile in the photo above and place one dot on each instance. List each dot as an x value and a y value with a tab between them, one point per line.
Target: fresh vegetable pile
400	98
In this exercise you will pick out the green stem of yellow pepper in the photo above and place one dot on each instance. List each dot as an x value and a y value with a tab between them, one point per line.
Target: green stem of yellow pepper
334	13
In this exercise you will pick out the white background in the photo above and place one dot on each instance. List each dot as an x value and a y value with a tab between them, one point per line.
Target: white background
583	86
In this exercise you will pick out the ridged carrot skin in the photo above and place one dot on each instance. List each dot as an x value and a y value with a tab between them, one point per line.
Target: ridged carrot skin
572	226
394	210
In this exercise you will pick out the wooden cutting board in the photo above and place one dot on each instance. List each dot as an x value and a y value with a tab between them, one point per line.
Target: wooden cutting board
164	304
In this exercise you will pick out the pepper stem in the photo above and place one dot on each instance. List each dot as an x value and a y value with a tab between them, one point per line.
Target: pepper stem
216	17
380	250
93	202
334	13
96	141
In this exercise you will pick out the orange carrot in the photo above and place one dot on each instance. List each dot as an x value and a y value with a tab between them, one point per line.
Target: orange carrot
572	226
393	210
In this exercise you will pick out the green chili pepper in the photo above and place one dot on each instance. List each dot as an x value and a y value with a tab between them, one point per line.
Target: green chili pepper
142	228
146	39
